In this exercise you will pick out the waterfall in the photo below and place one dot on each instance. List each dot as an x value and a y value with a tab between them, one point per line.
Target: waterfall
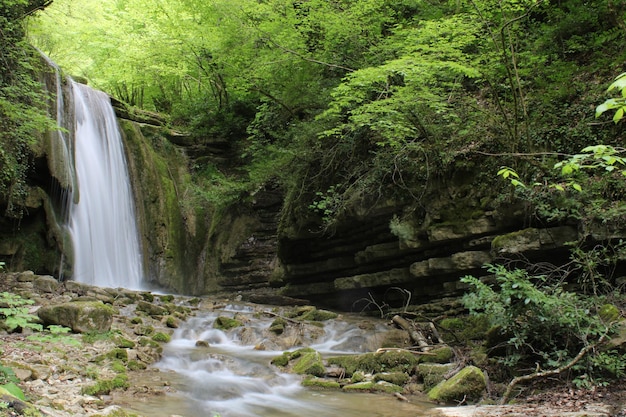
102	219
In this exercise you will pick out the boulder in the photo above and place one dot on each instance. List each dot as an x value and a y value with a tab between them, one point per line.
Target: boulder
468	384
46	284
80	316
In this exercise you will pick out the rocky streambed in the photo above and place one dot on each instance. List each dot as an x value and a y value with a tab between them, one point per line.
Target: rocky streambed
132	353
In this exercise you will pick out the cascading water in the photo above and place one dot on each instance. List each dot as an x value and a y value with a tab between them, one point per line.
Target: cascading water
231	376
102	219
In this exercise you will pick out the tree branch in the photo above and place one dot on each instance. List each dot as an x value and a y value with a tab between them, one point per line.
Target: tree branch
535	375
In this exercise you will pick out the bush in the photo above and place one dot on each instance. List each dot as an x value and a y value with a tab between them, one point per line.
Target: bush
536	321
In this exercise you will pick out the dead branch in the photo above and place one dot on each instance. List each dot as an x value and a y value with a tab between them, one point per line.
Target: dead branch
415	352
415	335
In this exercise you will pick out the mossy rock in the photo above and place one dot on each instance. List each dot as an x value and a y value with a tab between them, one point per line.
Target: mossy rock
395	378
439	355
282	360
320	383
366	386
432	373
468	384
609	313
122	342
152	310
318	315
371	386
80	316
464	329
278	326
226	323
310	363
104	387
161	337
388	361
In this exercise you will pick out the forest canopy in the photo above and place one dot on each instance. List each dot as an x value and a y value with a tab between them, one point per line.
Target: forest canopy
368	97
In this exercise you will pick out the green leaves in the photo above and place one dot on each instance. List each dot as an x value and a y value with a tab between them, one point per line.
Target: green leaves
617	104
15	313
539	320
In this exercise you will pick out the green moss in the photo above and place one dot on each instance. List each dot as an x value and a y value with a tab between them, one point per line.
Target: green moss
609	313
396	378
161	337
166	298
136	365
136	320
310	363
389	361
226	323
439	355
104	387
469	384
122	342
464	329
321	383
282	360
278	326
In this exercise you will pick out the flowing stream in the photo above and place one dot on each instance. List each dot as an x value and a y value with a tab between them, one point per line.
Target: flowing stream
102	219
232	378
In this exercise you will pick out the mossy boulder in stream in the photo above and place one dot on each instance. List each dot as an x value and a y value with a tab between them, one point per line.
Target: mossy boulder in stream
304	361
468	384
80	316
388	361
226	323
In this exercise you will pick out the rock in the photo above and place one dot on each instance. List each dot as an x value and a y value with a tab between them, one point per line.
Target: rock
80	316
439	355
468	384
226	323
150	309
432	373
46	284
26	276
320	383
310	363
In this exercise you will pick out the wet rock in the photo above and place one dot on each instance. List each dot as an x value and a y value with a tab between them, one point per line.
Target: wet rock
320	383
226	323
468	384
80	316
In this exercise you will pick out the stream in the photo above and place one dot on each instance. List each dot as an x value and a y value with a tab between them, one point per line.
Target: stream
233	377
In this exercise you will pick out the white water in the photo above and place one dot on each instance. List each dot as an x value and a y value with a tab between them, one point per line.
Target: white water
102	219
231	378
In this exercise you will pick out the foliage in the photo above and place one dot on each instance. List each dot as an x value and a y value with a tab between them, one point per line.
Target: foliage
14	312
537	320
617	104
22	104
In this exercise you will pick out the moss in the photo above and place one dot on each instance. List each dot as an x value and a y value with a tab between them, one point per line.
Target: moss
122	342
464	329
396	378
469	384
136	320
389	361
282	360
171	322
136	365
161	337
226	323
609	313
310	363
360	386
320	383
278	326
104	387
432	373
166	298
118	367
439	355
318	315
145	341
